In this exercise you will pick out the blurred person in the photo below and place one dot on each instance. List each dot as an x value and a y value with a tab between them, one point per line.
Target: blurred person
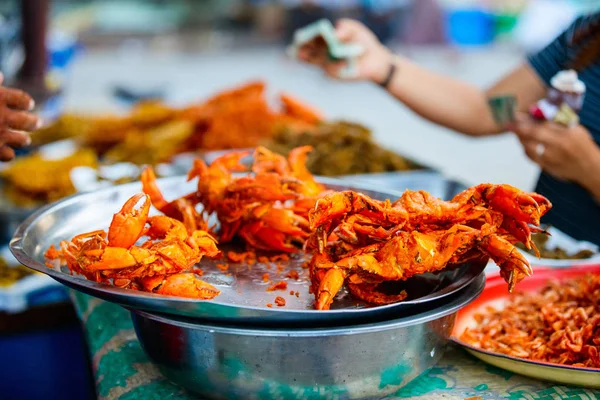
34	27
568	156
16	119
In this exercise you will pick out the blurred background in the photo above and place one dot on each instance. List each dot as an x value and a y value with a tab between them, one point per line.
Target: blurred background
100	52
99	57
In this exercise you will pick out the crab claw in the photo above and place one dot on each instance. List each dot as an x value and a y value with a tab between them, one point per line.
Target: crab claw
330	285
128	224
519	205
544	204
513	266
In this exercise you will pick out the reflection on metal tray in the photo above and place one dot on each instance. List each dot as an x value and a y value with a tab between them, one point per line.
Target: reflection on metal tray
185	160
11	215
345	362
87	212
429	181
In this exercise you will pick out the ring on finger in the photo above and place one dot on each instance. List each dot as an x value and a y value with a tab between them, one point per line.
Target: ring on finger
540	149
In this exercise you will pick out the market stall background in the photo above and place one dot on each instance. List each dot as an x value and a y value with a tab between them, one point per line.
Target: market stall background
186	51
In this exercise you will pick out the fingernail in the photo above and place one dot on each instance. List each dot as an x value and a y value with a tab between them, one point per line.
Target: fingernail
31	105
27	140
38	124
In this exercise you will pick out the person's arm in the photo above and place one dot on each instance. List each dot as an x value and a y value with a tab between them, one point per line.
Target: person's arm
443	100
34	17
455	104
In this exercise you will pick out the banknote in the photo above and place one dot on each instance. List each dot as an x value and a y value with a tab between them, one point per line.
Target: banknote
503	109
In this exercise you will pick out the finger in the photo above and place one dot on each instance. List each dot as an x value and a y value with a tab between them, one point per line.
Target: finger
313	54
530	149
551	157
523	126
345	30
15	138
333	69
17	99
548	134
306	55
6	153
557	128
21	120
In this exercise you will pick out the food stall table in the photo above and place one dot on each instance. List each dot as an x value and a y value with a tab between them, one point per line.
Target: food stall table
123	371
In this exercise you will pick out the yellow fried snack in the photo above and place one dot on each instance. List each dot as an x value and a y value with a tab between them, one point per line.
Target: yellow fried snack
33	179
9	275
152	146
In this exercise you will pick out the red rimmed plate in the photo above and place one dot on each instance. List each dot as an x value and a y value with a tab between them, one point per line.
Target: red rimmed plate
495	294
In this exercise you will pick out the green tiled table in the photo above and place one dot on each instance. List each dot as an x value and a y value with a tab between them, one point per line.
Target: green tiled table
123	372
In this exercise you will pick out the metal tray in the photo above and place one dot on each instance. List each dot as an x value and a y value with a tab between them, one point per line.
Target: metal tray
368	361
428	180
244	296
184	161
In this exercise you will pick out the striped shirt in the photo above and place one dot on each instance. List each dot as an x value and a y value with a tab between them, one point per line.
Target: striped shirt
574	211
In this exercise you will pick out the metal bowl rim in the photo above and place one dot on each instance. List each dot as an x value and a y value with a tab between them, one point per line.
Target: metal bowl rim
16	247
466	296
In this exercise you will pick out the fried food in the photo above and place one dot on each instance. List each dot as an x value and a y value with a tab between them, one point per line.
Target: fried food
364	242
11	274
558	324
340	148
556	253
153	132
242	118
153	145
267	209
32	179
162	264
103	131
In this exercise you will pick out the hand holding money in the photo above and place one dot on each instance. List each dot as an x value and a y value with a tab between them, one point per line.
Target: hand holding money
347	51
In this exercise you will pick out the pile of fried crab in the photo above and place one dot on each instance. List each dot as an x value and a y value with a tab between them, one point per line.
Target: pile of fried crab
275	205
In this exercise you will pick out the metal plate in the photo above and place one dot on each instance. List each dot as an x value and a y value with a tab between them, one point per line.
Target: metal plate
367	361
244	296
495	295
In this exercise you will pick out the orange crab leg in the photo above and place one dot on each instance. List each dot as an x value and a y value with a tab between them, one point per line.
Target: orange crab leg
150	187
330	285
182	285
112	258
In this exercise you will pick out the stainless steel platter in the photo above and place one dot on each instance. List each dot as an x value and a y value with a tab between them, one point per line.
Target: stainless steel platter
368	361
244	297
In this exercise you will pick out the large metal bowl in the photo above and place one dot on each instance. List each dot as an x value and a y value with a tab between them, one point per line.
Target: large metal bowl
348	362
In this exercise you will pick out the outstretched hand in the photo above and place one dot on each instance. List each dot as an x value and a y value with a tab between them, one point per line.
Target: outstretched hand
372	65
15	120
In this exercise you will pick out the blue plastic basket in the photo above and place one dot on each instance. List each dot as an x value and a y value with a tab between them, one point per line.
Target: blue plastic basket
469	27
